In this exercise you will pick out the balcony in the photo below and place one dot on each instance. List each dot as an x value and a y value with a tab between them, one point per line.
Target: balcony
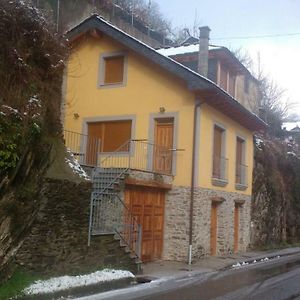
220	171
140	155
241	180
135	154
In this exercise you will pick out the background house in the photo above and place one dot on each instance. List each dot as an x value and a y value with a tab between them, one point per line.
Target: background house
223	68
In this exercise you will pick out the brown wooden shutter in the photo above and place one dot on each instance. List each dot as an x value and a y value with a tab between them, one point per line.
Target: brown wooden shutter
231	89
239	158
116	134
218	132
223	78
113	134
114	69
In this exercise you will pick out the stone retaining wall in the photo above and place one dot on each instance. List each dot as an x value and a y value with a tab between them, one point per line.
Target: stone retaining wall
57	242
176	233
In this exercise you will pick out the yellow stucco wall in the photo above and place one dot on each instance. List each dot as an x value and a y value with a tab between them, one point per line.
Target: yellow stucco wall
148	88
210	117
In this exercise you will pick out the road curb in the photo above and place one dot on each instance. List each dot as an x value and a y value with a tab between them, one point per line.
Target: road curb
268	254
83	290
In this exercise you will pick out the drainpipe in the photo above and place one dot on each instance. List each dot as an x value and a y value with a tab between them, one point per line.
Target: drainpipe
196	137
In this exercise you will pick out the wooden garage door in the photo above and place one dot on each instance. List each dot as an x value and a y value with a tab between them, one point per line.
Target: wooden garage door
148	206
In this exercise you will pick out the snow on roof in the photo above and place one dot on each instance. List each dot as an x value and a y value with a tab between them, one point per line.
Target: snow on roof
290	125
182	49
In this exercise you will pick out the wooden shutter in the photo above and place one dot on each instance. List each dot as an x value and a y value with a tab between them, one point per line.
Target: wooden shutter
113	134
223	77
217	154
239	159
116	134
114	69
231	89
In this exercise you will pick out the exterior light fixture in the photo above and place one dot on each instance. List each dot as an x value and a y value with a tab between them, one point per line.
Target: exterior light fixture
76	116
162	110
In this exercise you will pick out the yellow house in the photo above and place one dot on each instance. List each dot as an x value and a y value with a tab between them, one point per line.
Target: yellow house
174	152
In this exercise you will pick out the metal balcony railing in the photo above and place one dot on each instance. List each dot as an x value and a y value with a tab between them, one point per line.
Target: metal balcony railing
241	174
84	148
140	155
220	168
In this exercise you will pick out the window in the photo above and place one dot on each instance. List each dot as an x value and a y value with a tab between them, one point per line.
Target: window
223	77
231	85
219	161
112	134
112	69
246	84
241	168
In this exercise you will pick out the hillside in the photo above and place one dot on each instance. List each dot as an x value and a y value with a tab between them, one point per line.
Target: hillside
276	193
44	195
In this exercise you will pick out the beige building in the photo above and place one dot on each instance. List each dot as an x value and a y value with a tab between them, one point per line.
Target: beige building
223	68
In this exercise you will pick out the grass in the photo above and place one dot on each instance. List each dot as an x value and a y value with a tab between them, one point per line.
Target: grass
14	286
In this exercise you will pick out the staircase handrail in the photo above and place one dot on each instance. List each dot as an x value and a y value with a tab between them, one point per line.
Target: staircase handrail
135	222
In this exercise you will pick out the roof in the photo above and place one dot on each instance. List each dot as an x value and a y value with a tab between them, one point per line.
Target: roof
219	52
296	129
190	40
182	49
291	126
212	94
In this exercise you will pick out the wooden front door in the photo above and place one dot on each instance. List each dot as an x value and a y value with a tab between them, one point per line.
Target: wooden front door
236	227
163	143
214	229
147	205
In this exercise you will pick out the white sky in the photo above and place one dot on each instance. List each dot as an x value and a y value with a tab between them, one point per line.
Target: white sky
279	56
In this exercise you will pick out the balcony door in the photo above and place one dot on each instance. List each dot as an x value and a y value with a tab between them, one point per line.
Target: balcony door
163	144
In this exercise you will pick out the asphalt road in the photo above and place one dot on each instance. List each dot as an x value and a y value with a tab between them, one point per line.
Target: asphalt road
274	280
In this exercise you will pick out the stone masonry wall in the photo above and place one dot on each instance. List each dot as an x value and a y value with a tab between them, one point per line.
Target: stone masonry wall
176	234
57	242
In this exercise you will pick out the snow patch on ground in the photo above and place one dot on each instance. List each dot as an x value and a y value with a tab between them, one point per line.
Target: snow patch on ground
262	260
75	166
57	284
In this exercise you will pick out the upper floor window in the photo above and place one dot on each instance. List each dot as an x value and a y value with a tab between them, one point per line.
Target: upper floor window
231	85
113	69
227	80
240	167
223	77
246	84
219	172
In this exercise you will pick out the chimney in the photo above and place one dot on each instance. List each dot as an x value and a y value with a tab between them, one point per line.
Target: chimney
203	51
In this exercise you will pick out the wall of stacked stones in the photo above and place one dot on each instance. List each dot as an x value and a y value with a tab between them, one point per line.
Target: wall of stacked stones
57	241
176	233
